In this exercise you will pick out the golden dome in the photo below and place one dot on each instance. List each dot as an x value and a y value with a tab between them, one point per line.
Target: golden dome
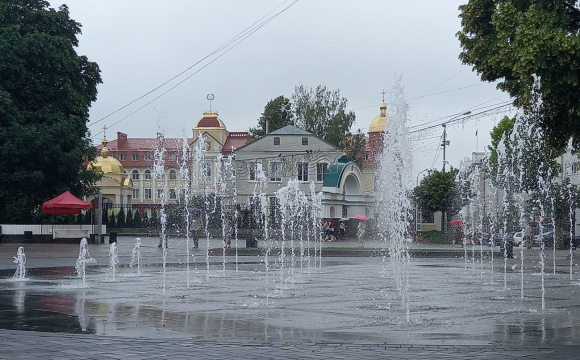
210	121
379	123
105	163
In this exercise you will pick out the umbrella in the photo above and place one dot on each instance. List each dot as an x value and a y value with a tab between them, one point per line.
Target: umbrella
456	222
361	217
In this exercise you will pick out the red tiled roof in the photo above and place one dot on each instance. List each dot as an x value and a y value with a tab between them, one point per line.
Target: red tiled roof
235	140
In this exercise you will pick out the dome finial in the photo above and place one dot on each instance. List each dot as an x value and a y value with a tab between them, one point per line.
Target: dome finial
104	150
383	105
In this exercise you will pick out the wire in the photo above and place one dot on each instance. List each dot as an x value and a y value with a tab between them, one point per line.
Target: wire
467	117
428	92
236	40
437	153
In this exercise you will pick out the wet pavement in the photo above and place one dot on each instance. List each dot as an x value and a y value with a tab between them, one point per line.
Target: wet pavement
459	307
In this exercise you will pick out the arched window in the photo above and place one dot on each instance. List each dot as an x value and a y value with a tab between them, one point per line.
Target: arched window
147	174
172	175
135	174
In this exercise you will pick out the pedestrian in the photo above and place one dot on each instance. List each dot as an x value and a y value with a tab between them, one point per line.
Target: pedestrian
197	228
342	229
528	236
457	235
360	233
230	231
326	229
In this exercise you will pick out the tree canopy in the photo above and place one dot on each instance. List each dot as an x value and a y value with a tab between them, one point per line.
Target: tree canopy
438	191
46	90
277	112
529	44
323	113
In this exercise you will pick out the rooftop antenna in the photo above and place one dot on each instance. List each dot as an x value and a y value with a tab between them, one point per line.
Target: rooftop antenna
210	97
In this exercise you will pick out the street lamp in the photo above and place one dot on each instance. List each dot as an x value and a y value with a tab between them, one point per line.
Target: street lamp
420	172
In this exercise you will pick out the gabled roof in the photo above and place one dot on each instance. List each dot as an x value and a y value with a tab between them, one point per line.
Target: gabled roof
290	130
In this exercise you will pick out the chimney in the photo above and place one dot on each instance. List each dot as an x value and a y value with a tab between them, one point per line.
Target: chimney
121	139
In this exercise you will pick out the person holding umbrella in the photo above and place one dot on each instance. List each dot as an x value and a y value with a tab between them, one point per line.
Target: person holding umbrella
361	229
457	231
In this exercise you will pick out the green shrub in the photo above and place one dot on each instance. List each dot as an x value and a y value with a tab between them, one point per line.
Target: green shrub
435	236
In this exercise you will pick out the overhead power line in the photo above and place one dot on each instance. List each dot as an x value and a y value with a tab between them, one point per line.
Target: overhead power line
224	49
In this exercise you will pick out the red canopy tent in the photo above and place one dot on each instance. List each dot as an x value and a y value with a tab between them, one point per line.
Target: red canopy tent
65	203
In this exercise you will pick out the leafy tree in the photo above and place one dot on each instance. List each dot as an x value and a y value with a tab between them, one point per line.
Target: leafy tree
355	146
112	219
129	218
525	42
137	223
322	112
146	221
46	90
121	218
438	191
154	221
501	131
277	112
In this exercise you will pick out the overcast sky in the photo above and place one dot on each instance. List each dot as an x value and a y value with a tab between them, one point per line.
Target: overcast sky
357	46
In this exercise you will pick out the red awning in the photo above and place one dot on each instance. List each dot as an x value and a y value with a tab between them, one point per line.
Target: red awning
65	203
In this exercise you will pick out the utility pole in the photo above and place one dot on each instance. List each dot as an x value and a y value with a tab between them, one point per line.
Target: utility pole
445	143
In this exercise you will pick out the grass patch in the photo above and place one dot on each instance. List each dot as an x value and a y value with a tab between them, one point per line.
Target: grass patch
436	237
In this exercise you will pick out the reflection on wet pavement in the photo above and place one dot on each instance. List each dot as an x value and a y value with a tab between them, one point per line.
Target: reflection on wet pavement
348	299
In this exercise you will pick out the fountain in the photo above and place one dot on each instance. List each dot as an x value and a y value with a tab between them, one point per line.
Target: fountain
20	261
290	295
113	262
82	261
136	257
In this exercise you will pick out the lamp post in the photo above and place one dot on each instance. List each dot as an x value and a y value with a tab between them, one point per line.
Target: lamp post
416	206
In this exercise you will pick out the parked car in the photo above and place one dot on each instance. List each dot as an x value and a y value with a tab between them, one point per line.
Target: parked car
518	238
498	239
548	239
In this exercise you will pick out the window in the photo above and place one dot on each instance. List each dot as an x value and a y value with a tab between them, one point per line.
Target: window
276	171
172	175
321	169
159	193
274	209
172	194
254	171
172	156
147	174
135	174
135	157
276	140
147	194
365	156
376	182
344	211
121	157
304	141
136	194
303	171
147	157
206	171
